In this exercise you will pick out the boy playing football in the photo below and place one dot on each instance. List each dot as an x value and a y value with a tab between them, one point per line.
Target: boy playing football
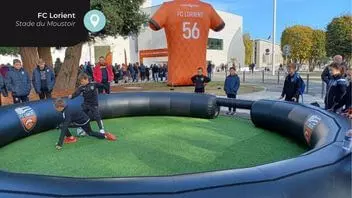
74	119
90	94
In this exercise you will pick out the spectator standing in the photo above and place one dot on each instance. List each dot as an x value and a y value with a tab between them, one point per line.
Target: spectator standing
136	72
57	67
131	71
292	85
143	72
155	71
89	71
43	80
147	73
348	95
200	81
161	73
209	70
125	73
18	82
326	75
334	99
165	71
115	69
4	69
103	74
3	89
232	84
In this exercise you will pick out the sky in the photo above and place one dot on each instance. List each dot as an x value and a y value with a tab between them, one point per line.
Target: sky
258	14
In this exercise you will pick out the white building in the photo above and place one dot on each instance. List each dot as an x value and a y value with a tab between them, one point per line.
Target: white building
223	47
262	53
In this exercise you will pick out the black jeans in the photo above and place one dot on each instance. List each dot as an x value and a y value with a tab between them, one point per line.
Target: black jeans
87	128
199	90
44	94
232	96
20	99
106	88
93	113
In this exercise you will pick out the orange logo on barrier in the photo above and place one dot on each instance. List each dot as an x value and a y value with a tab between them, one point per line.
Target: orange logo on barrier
309	126
27	117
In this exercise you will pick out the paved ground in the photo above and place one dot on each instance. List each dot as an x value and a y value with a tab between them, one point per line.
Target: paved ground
273	83
273	87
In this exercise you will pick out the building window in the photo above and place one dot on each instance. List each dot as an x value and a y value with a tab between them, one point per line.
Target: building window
215	44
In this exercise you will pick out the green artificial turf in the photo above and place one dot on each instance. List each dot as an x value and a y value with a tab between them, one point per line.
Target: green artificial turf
151	146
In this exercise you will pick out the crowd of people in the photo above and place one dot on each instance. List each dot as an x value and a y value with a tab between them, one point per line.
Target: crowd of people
131	72
337	78
18	83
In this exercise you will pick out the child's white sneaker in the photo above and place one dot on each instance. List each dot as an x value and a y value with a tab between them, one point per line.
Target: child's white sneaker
102	131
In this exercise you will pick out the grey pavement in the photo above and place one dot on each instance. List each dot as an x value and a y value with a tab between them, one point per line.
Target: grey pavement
269	95
274	83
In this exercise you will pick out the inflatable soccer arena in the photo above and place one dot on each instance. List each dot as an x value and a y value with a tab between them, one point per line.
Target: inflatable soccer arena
177	145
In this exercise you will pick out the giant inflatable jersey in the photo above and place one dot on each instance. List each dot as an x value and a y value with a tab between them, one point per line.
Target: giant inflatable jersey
187	24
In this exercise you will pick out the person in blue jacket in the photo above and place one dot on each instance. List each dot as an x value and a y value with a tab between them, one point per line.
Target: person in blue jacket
335	98
232	84
18	82
43	80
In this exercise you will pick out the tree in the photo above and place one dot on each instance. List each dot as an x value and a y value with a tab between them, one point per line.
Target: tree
300	38
318	52
69	73
339	37
9	50
248	44
123	18
29	58
45	54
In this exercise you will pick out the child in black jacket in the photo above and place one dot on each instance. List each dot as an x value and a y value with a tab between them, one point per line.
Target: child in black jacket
337	89
74	119
292	85
90	95
199	81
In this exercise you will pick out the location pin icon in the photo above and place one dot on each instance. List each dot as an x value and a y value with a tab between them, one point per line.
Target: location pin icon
94	19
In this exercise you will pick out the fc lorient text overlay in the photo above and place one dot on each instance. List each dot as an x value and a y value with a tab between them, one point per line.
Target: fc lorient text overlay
49	19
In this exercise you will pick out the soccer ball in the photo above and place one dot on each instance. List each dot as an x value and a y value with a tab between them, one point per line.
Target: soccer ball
81	132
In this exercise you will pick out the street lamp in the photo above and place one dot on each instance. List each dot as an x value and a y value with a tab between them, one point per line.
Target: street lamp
273	38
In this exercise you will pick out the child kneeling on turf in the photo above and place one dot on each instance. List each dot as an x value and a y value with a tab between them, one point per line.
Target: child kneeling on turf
90	104
75	119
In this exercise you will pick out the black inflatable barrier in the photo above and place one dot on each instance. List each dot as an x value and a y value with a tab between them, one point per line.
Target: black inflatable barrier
323	172
228	102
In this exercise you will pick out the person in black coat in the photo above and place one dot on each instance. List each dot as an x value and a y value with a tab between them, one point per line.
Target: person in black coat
75	119
43	80
155	71
200	81
89	70
147	73
335	98
292	85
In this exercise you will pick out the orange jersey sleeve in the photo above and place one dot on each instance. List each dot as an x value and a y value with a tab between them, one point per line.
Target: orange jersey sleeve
159	19
216	23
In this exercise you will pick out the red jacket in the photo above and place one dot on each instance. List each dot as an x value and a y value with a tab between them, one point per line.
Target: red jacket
97	74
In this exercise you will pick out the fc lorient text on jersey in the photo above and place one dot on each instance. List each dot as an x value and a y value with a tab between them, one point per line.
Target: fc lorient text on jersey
190	14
